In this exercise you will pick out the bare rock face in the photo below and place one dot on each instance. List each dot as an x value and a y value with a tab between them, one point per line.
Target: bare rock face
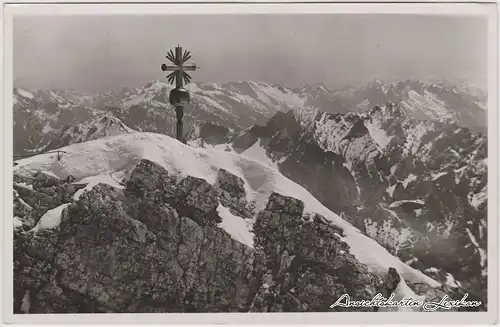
106	260
192	197
155	246
231	183
308	265
232	194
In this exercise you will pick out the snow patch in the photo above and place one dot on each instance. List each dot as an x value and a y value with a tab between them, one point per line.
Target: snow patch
437	175
378	134
278	94
459	173
476	199
257	152
24	202
409	179
412	260
450	281
239	228
17	222
56	97
393	169
25	94
23	184
414	135
91	181
26	303
428	104
482	252
390	189
51	218
481	105
399	203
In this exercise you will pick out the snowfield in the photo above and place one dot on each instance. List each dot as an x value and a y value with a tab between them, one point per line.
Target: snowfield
111	158
258	152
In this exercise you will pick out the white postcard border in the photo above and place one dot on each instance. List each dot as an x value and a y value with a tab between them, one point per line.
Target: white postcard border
489	10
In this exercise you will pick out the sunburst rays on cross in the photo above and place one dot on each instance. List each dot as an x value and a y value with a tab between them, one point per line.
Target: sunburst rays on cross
178	69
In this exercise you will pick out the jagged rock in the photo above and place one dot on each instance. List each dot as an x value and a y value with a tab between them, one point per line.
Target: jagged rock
231	183
47	180
155	247
198	199
19	179
23	210
130	251
191	197
232	194
285	204
34	196
150	180
33	258
392	280
308	257
39	202
213	133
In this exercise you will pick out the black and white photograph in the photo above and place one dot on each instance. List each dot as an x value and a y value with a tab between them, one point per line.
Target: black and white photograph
251	163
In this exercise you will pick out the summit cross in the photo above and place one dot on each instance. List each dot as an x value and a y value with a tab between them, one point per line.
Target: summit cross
179	96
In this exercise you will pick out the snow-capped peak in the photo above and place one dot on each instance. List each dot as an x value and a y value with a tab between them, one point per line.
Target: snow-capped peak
23	93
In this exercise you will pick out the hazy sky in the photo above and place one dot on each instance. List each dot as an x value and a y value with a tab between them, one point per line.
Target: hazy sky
96	53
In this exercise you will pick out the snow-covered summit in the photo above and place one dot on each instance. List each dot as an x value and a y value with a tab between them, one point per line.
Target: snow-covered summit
121	153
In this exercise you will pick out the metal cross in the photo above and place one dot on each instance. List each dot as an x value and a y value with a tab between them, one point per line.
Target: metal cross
179	96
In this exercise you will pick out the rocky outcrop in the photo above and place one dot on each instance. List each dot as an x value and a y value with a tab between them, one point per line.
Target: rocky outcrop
232	194
34	196
156	246
153	247
214	133
308	265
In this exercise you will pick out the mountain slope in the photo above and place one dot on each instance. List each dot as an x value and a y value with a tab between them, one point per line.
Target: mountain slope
185	161
211	190
418	187
101	126
39	116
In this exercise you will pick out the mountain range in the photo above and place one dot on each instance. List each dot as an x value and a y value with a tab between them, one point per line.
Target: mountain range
402	163
40	116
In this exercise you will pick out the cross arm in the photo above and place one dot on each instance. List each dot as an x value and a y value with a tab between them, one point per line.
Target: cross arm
165	68
192	67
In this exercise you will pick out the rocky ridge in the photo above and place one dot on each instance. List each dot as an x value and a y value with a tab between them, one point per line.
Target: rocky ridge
155	245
